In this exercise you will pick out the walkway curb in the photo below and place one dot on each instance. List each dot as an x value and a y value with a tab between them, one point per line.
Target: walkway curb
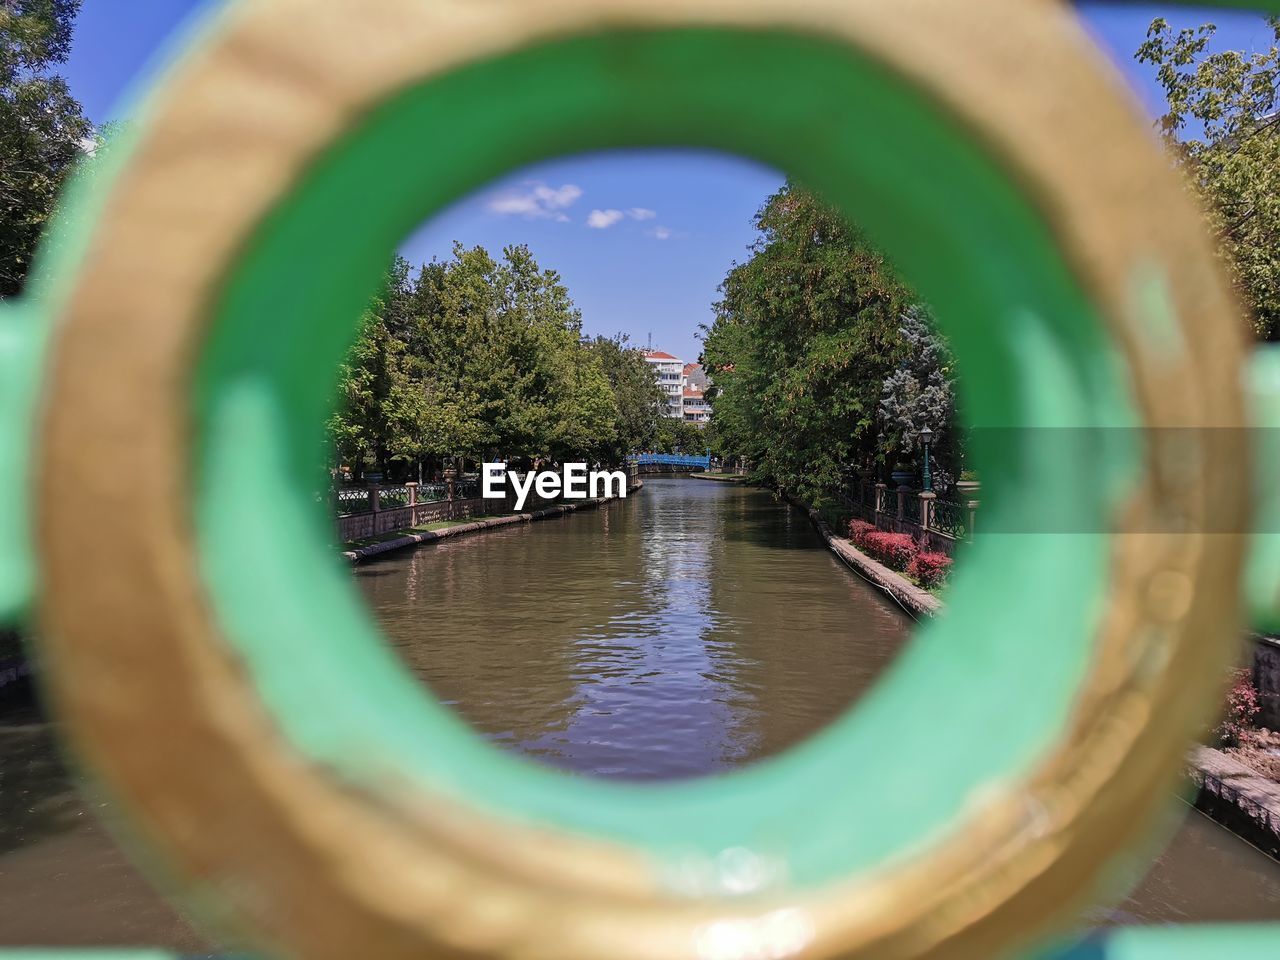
1229	792
1236	796
917	601
475	526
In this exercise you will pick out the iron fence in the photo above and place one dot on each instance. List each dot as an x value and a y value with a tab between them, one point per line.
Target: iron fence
950	518
911	507
353	500
389	498
432	492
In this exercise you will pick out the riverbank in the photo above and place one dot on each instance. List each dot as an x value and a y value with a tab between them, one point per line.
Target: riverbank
1236	796
916	600
399	540
1232	793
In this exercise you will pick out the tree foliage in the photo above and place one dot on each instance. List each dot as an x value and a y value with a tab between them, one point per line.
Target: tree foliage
682	436
803	341
921	393
42	128
1223	125
639	401
484	358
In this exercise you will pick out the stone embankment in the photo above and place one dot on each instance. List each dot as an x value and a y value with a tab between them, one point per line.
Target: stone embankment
1237	796
411	538
917	601
1233	794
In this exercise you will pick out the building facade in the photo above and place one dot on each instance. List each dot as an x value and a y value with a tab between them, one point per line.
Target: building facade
668	373
694	406
683	384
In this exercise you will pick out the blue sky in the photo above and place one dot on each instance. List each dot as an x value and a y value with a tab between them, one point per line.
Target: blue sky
642	238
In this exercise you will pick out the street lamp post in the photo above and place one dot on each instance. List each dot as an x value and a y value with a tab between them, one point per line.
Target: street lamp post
926	435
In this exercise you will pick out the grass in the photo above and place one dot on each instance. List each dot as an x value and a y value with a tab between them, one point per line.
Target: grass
425	528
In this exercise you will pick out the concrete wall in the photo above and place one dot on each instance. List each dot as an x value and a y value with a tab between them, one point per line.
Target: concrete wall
362	526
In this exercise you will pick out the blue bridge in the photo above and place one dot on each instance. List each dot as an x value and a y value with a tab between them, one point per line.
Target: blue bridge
670	462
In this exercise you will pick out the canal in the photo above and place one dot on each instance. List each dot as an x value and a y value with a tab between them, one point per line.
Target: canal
694	628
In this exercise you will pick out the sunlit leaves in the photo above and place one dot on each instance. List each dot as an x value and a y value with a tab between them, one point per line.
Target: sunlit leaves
1223	124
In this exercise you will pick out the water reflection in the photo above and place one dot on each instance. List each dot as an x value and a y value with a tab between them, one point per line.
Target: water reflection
692	629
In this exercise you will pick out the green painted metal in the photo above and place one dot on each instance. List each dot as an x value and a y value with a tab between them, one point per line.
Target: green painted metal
940	206
26	327
1193	942
1262	575
20	341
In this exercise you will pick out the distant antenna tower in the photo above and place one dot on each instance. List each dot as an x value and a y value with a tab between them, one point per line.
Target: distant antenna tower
650	340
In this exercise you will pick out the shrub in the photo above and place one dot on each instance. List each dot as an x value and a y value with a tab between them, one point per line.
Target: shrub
858	530
1242	709
892	549
929	569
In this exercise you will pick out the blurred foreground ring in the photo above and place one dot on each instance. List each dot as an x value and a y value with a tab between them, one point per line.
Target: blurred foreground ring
221	679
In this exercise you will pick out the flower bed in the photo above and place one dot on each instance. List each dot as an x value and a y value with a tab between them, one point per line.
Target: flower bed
858	530
929	569
894	550
900	552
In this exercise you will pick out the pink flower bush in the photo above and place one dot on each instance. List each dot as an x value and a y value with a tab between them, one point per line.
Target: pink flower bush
929	569
1242	709
894	550
858	530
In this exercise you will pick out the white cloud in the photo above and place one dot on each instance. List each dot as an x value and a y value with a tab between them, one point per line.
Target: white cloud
603	219
660	233
641	213
537	201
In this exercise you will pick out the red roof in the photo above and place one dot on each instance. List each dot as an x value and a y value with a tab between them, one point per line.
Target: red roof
693	394
659	355
689	368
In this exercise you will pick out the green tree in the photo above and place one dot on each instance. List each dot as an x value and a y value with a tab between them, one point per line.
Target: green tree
921	393
475	358
1223	125
43	131
638	402
803	340
378	404
680	436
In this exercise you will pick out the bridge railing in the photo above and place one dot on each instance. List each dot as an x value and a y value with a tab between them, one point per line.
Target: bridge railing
671	460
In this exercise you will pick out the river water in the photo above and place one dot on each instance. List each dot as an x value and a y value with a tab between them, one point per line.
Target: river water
693	628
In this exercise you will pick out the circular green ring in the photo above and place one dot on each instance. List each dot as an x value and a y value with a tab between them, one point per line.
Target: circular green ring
941	207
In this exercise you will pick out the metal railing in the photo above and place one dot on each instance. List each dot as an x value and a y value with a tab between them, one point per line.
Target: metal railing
911	511
671	460
389	498
433	492
950	518
349	501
